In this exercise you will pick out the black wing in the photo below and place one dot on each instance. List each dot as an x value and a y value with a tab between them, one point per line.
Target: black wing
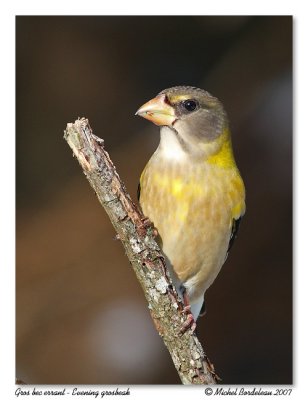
235	227
138	191
234	231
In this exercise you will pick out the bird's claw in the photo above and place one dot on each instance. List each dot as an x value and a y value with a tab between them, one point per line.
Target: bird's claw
147	223
186	309
190	323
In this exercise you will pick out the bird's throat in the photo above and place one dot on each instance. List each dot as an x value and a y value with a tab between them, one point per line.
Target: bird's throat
171	145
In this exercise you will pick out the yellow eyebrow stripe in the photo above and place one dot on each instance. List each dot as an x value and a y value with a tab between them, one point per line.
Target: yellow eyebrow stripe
175	99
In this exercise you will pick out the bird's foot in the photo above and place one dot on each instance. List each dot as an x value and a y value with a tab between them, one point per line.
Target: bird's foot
147	223
190	322
186	309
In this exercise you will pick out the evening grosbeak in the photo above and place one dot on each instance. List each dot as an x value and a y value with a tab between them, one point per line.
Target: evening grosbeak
191	188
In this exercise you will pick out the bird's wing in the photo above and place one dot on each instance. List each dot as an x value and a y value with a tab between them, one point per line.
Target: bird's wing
138	191
234	231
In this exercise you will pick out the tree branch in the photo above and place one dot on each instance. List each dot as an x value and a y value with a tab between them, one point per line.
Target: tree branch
144	254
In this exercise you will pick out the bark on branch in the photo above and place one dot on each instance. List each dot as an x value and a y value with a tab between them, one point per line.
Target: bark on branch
144	254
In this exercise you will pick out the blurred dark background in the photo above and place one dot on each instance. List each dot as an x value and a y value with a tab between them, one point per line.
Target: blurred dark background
81	316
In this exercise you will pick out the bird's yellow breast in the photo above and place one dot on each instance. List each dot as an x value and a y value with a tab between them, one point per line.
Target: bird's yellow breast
192	206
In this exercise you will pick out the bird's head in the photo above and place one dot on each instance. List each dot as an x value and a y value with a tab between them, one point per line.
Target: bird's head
197	117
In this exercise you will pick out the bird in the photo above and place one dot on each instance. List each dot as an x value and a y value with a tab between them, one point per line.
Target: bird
191	189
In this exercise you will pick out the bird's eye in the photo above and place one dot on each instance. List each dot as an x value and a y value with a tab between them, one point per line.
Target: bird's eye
190	105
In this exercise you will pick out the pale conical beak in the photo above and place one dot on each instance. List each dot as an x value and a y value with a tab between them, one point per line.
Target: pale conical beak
158	111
